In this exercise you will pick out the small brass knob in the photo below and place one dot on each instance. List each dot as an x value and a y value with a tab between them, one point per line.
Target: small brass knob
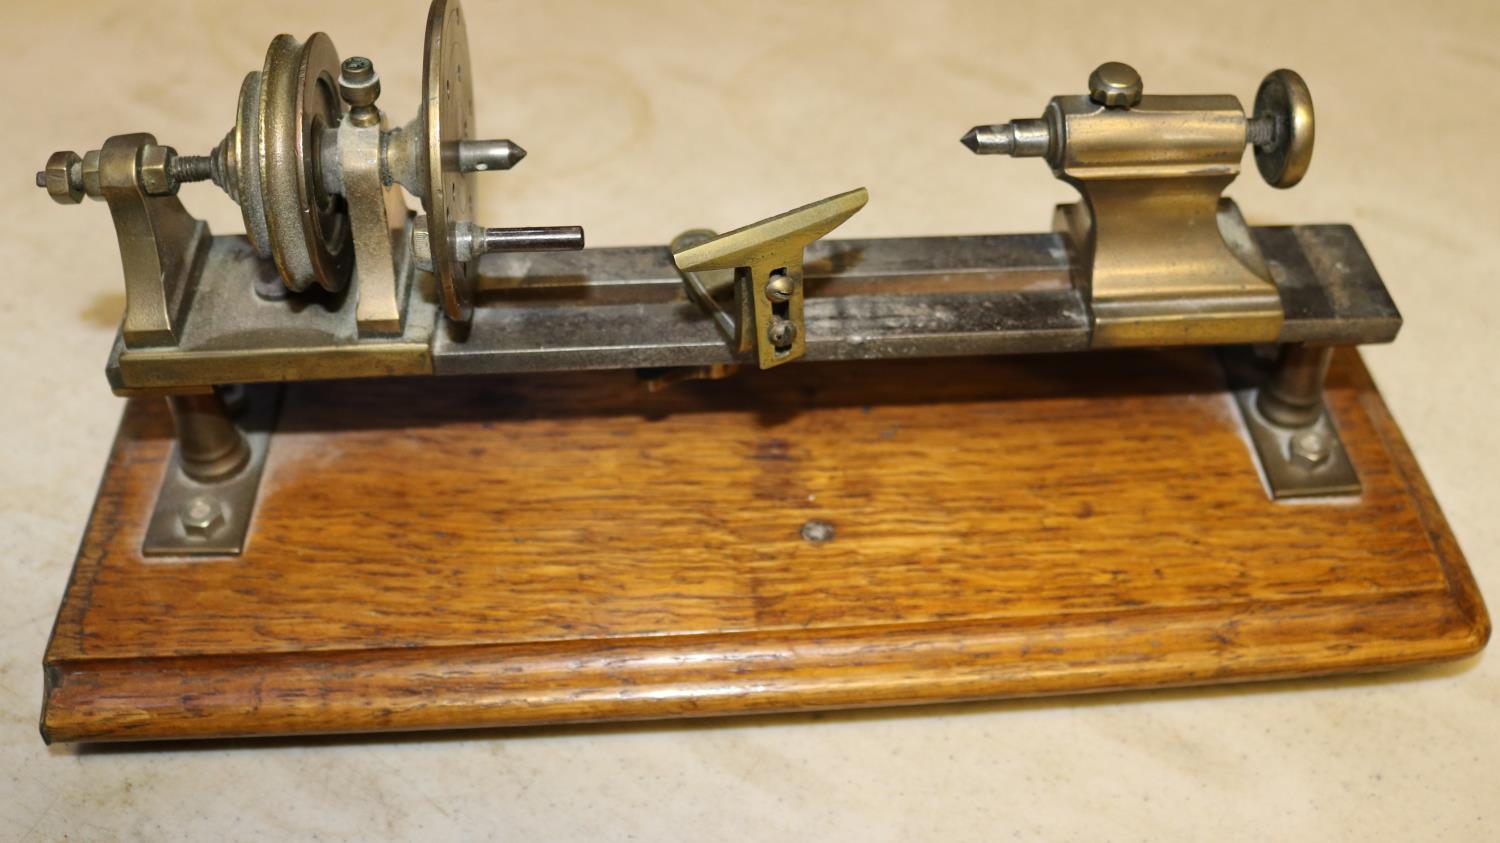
1284	143
1115	85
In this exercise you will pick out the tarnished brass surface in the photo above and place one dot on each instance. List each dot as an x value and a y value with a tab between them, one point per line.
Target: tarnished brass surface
241	169
232	335
1160	260
209	446
1160	271
1154	255
161	247
299	101
767	259
209	515
447	106
377	220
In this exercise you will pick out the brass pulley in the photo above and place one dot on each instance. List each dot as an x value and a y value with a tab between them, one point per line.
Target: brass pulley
306	140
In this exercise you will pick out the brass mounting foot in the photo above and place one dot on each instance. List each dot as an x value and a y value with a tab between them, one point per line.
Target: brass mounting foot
208	494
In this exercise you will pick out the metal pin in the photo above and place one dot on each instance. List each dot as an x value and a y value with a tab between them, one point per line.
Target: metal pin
1018	138
477	156
470	240
554	238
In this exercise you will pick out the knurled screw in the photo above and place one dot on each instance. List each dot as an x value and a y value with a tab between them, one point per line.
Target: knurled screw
202	516
1115	85
1309	449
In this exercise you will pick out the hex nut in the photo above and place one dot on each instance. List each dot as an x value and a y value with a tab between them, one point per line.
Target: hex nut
63	178
1309	449
202	517
91	184
155	170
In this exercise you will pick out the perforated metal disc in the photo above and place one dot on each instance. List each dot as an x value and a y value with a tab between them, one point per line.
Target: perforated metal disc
447	112
308	227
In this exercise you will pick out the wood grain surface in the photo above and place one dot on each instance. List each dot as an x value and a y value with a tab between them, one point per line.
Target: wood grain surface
567	548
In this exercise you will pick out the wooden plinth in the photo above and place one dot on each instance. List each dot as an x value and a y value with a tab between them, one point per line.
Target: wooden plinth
544	549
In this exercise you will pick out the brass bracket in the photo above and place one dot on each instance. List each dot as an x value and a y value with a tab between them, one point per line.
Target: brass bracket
760	266
378	222
162	246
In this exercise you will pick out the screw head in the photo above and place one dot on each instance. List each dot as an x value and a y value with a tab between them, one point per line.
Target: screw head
359	84
1115	85
781	332
780	288
202	516
1309	449
817	532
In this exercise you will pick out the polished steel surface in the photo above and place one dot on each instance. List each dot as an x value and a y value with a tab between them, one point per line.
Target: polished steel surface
447	109
868	299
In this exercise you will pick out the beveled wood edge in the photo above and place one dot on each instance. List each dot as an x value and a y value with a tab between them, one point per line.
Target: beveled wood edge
580	681
1461	583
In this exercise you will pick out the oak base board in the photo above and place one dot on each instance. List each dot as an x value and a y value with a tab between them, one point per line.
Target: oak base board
569	548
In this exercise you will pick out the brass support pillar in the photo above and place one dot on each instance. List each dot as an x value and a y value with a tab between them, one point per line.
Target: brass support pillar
210	447
1294	395
1299	449
209	491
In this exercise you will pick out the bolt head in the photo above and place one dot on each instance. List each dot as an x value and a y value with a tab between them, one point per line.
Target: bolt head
780	288
781	332
1115	85
202	516
1309	449
63	178
156	176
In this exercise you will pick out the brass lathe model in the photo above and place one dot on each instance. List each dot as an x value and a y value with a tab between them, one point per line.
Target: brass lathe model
338	277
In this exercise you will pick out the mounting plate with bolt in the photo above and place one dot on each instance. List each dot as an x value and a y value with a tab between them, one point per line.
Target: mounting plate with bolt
205	506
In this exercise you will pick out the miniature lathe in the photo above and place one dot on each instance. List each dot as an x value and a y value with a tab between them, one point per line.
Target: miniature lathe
516	548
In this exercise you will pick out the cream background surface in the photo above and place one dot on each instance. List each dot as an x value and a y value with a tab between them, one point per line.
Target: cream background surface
645	118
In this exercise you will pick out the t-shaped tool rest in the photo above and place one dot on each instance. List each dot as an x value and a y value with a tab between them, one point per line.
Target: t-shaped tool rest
765	265
1163	258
